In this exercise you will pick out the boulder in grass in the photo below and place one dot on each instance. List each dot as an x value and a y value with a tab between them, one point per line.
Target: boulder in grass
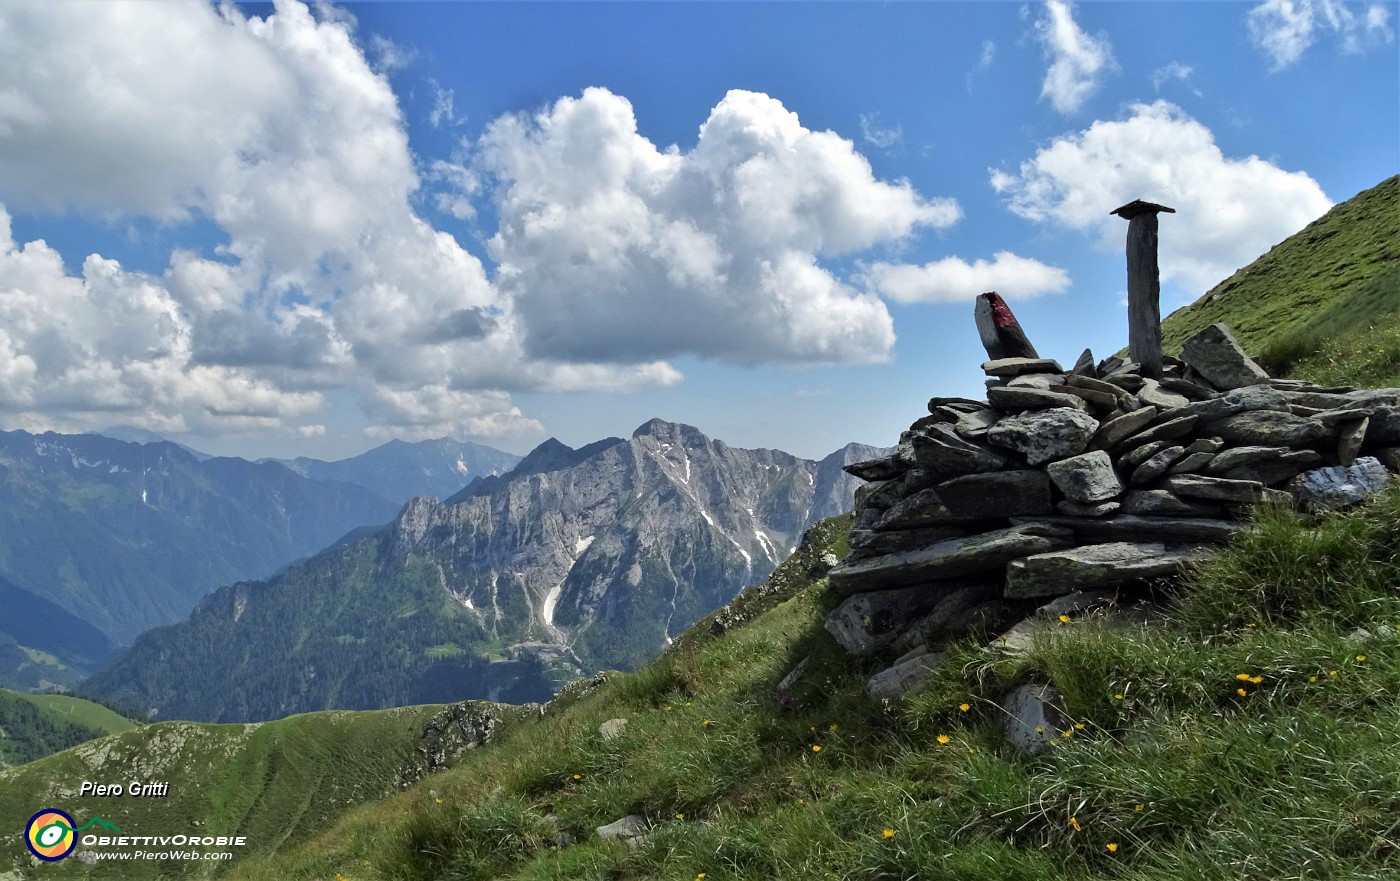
1328	489
868	622
1216	355
1032	718
906	677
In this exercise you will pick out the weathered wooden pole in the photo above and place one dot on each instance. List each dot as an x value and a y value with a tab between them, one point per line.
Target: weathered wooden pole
1144	285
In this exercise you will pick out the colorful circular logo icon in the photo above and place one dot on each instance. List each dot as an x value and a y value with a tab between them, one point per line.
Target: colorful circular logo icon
50	835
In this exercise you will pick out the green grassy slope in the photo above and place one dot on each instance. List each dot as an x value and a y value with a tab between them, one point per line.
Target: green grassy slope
1254	734
36	725
1317	278
276	783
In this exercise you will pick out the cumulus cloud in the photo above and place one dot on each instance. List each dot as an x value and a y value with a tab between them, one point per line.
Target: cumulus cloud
1229	210
1078	61
611	255
611	249
953	279
1285	29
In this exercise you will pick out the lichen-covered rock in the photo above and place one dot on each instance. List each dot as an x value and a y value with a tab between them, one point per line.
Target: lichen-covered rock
972	497
906	678
1045	435
868	622
1156	465
1115	430
942	452
1032	718
1101	565
952	558
1220	489
1088	478
1016	400
1269	428
1326	489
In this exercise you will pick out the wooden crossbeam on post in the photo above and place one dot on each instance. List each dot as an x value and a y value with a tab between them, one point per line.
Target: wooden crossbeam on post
1144	285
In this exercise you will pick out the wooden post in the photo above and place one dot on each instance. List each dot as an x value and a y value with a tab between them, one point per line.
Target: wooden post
1144	286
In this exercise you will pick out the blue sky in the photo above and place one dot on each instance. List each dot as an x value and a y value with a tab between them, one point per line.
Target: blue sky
280	230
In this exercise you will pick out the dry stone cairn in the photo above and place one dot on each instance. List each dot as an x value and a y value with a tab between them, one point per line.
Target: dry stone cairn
1094	479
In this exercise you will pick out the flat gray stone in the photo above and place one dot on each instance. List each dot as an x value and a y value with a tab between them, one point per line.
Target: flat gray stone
1219	489
1190	463
1216	355
1133	527
1234	457
909	677
1098	401
1032	718
1135	457
1042	381
1084	365
1008	367
1115	430
1169	430
630	826
993	495
1333	418
1269	428
1328	489
1017	400
1374	397
952	558
1099	565
1192	390
883	468
1205	445
1088	478
973	426
1152	393
867	622
941	451
878	543
1081	509
1156	465
1045	435
1159	502
1128	382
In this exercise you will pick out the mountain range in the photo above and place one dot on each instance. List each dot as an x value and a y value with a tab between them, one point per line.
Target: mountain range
573	562
101	539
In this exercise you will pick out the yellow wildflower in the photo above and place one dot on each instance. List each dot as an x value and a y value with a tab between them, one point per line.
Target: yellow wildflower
1064	619
1074	824
1256	679
1361	658
944	739
816	747
964	707
1112	847
888	833
1241	692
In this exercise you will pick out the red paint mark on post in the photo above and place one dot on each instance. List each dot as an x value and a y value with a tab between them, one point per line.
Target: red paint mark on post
1001	313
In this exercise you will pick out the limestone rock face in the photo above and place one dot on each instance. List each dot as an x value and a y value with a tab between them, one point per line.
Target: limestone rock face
1088	478
1045	435
1216	355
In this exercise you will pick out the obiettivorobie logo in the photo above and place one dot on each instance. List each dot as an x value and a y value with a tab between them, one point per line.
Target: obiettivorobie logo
51	834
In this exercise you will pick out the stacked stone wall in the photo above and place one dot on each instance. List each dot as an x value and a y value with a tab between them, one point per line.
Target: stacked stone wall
1095	478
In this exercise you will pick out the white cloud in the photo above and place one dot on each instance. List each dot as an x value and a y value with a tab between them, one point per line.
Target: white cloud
1229	211
953	279
613	250
1285	29
1172	71
879	136
1078	61
613	256
310	431
443	112
989	54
